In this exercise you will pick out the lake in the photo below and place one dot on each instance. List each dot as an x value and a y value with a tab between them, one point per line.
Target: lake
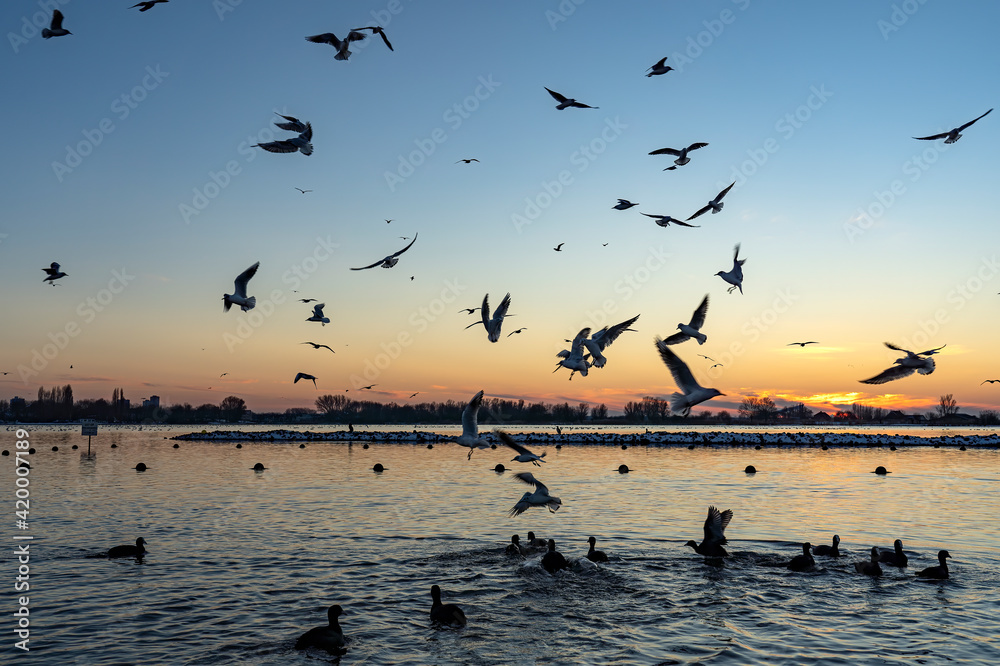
240	563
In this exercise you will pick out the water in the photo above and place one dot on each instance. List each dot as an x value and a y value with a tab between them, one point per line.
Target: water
240	563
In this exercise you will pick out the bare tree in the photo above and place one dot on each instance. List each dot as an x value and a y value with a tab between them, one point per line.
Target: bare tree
328	404
233	408
758	409
948	406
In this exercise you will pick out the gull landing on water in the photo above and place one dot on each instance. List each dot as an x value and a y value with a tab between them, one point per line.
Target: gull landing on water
734	276
239	296
470	426
565	102
391	260
906	366
951	136
715	205
692	330
693	393
540	497
493	324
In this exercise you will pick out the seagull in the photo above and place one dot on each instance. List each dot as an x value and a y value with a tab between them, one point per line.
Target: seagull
293	124
391	260
388	221
470	426
951	136
573	358
307	300
558	248
224	373
376	30
624	204
665	220
906	366
802	344
413	395
303	375
715	537
987	381
524	454
368	388
693	393
734	276
708	358
681	155
317	346
302	191
55	28
468	161
54	274
493	325
299	143
317	314
343	53
692	330
468	310
566	101
659	67
146	6
715	204
525	328
717	365
239	296
540	497
603	338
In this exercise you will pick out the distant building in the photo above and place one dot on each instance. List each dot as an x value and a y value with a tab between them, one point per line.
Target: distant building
153	402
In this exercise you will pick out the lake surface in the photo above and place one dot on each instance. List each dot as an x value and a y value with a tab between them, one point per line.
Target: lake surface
241	563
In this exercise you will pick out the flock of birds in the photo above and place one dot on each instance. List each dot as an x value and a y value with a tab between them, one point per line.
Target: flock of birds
586	350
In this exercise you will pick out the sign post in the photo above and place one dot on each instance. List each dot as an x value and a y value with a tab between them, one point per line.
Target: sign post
89	429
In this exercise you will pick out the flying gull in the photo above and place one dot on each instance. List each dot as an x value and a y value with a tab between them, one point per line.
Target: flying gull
692	330
53	273
301	143
681	155
659	67
343	53
524	454
693	393
317	345
566	101
303	375
317	314
391	260
624	204
493	324
734	276
603	339
470	426
573	358
666	220
147	5
239	296
951	136
715	205
55	28
905	366
473	159
540	497
376	30
802	344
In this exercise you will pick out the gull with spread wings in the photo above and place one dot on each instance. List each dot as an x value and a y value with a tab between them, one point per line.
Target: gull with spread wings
692	392
540	497
470	426
692	330
603	339
391	260
953	135
573	358
565	102
524	454
905	366
239	296
715	205
493	324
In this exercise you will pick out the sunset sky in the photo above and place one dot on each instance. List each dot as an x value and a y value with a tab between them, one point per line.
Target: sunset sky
128	159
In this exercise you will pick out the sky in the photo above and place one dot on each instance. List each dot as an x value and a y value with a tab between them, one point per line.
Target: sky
129	160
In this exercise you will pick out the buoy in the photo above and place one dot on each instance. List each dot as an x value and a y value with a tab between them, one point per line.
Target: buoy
55	448
750	469
623	469
239	446
176	445
141	467
259	467
757	448
302	446
378	468
365	446
499	468
5	452
624	447
430	446
881	471
825	447
75	447
493	446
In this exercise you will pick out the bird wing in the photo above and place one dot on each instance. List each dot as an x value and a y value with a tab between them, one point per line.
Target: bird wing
655	217
612	333
666	151
723	193
396	254
377	263
696	146
278	146
972	121
355	36
677	338
682	375
318	310
509	441
500	312
930	352
700	212
659	63
888	375
385	39
298	377
521	506
325	38
243	278
684	224
57	19
698	318
577	346
715	525
529	478
625	201
559	98
736	256
933	136
484	312
470	423
307	133
897	348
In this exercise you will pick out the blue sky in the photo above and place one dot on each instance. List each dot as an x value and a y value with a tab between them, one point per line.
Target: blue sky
854	233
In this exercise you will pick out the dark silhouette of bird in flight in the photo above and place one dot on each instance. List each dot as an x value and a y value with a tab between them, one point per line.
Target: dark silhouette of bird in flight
624	204
953	135
317	346
988	381
53	273
55	28
303	375
302	191
558	248
905	366
565	102
389	261
659	67
368	388
468	160
802	344
343	52
681	154
147	5
715	205
666	220
376	30
307	300
517	331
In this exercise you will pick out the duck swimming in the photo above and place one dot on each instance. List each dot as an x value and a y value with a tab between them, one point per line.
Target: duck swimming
871	568
445	613
832	551
138	550
596	555
329	638
939	572
896	557
553	560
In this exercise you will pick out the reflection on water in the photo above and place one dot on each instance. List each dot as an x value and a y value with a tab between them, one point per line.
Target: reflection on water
240	563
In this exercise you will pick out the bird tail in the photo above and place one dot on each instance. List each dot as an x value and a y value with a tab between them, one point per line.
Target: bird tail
927	368
342	55
226	303
679	404
46	33
307	149
251	302
701	338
